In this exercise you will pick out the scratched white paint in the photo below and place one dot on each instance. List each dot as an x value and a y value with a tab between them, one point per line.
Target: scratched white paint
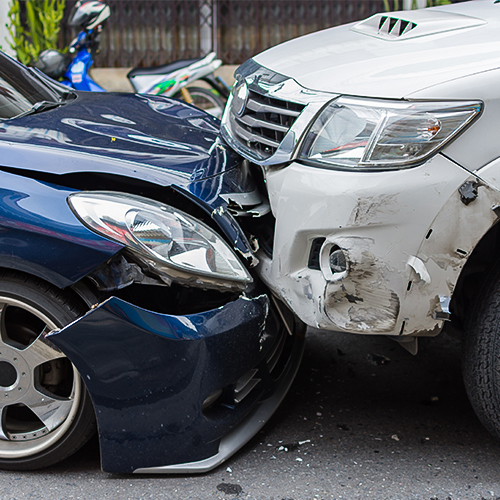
386	248
406	233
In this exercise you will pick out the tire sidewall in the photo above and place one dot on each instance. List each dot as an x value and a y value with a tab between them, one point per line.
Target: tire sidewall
481	355
61	309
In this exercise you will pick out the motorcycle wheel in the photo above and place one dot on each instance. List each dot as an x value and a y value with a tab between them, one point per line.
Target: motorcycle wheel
46	411
206	99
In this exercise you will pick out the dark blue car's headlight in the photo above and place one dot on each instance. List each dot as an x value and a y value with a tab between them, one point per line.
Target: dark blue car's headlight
180	245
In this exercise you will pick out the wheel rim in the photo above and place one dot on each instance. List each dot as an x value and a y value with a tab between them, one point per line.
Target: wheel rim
39	388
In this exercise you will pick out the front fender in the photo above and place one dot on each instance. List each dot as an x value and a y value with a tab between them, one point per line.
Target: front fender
177	394
40	235
451	238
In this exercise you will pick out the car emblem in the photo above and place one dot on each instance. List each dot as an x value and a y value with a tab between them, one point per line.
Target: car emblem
240	96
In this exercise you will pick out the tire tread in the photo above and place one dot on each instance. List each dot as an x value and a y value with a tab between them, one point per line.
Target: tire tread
481	355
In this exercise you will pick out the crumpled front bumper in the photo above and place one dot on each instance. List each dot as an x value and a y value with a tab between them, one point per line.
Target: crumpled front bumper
179	394
405	234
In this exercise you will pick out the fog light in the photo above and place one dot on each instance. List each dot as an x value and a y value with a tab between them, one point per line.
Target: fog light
338	262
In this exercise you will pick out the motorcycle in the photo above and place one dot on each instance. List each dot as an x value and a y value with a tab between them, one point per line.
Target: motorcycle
170	80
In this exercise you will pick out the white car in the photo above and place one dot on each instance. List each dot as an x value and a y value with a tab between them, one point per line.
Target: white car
379	145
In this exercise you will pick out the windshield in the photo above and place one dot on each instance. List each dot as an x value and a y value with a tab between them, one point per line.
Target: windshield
20	89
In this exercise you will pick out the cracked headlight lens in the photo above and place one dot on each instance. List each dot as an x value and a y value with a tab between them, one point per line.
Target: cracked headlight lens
160	233
382	134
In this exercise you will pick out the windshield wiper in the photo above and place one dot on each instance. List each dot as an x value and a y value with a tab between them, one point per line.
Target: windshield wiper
40	106
53	86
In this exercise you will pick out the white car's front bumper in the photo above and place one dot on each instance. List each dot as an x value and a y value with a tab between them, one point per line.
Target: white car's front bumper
406	235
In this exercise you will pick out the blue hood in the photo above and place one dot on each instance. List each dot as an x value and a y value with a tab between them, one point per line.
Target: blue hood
155	139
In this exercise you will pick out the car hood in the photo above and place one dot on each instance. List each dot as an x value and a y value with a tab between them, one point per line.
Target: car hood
151	138
394	55
161	141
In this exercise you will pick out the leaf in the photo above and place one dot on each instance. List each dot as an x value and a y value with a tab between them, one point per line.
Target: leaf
40	31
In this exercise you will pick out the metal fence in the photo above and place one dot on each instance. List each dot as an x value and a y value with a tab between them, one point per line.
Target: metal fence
248	27
153	32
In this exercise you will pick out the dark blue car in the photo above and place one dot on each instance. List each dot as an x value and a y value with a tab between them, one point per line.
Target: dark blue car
128	233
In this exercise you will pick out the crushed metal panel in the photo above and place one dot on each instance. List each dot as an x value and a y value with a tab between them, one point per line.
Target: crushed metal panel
456	231
401	254
148	375
363	301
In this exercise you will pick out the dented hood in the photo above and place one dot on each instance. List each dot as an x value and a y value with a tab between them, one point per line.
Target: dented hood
161	141
394	55
155	139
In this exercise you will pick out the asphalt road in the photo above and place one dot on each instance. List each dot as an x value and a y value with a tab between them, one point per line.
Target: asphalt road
364	420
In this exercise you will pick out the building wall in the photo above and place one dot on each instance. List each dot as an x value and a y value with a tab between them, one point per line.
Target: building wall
4	34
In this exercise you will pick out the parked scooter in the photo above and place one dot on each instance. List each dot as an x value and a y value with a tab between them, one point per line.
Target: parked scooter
170	80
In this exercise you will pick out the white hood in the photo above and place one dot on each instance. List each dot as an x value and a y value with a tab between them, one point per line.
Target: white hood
424	48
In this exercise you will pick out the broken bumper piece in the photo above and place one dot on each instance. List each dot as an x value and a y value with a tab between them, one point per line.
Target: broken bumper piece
373	252
180	394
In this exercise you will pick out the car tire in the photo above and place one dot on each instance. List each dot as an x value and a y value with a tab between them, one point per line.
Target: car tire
481	355
206	99
46	411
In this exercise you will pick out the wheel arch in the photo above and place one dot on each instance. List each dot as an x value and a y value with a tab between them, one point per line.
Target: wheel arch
60	419
482	260
40	235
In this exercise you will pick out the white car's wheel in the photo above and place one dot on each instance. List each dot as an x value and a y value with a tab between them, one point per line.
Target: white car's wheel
481	355
46	412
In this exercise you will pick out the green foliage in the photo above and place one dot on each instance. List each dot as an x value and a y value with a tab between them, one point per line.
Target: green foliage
435	3
387	6
39	32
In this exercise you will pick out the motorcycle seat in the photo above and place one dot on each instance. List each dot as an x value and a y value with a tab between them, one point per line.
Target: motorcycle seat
164	69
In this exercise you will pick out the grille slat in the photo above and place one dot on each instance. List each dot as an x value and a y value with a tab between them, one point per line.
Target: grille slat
256	122
275	354
266	108
253	138
263	123
245	385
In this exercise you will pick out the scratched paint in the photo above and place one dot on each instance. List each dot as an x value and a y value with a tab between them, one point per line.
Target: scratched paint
405	248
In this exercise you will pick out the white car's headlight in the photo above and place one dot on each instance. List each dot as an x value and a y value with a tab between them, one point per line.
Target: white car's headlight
382	134
167	237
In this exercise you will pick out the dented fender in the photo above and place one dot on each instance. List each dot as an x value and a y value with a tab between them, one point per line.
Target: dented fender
165	388
450	240
406	235
40	235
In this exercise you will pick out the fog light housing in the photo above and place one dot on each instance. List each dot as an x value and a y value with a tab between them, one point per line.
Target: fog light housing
338	261
334	262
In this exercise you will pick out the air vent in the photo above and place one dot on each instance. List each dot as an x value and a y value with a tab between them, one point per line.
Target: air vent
414	23
392	26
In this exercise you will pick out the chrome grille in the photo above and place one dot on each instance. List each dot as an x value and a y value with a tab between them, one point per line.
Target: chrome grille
264	123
